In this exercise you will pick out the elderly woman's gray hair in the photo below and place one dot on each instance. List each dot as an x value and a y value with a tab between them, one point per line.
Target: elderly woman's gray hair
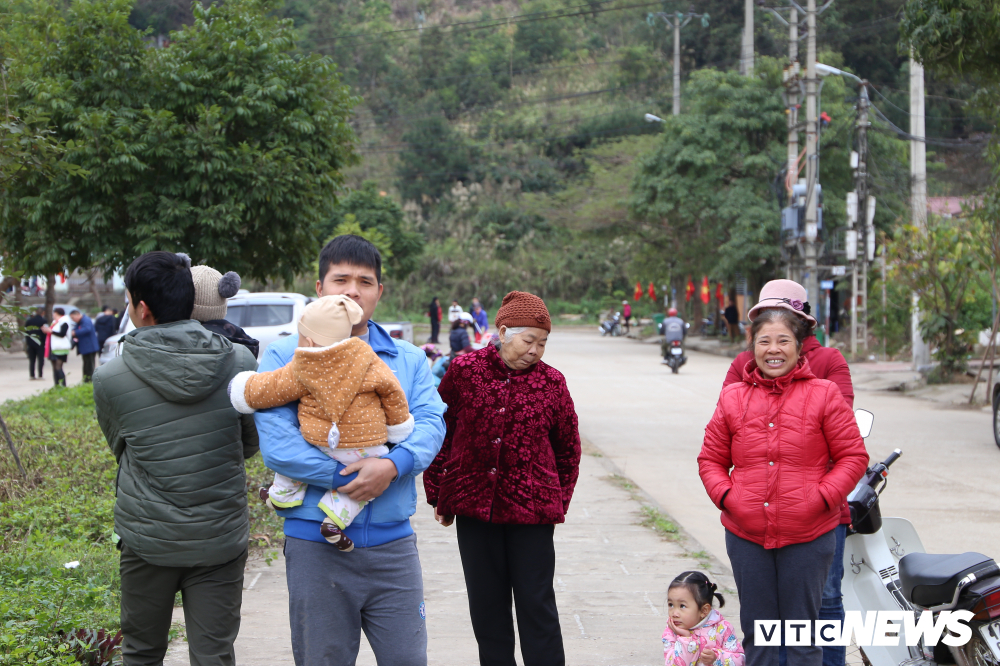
509	332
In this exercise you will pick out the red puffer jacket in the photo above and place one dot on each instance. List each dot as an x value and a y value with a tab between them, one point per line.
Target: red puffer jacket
779	436
511	453
826	363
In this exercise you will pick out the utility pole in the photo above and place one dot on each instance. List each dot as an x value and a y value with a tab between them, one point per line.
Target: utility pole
812	177
793	107
746	53
677	21
859	263
918	195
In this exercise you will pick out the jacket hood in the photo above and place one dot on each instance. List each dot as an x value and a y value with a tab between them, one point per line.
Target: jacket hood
712	619
182	361
753	376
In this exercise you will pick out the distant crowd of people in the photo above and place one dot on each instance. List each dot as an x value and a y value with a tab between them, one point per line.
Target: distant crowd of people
55	338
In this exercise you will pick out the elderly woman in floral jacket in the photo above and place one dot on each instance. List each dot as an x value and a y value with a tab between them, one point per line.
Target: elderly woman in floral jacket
507	470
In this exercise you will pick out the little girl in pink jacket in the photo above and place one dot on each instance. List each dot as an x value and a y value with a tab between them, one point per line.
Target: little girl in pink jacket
696	633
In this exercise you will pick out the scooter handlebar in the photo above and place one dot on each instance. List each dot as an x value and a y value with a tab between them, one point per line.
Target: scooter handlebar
893	457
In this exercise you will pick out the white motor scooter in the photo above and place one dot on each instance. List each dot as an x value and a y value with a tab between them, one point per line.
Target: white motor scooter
887	568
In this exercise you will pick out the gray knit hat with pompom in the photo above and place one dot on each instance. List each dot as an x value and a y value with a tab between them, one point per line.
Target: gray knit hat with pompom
211	289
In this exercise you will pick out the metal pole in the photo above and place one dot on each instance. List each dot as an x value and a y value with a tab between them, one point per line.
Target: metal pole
859	283
812	177
677	65
918	195
746	55
793	116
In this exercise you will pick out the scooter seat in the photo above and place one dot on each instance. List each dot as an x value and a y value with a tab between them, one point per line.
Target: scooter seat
930	580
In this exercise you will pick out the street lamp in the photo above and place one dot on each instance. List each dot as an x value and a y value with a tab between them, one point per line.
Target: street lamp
650	118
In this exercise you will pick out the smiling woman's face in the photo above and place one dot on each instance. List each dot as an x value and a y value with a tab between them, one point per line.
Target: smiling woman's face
775	349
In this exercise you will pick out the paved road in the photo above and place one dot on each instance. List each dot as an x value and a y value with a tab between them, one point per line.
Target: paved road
15	383
651	423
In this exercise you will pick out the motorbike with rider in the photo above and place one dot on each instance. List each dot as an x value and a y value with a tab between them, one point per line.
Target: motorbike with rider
674	330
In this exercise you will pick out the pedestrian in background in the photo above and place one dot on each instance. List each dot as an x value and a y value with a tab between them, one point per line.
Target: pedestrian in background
106	325
61	341
795	453
454	312
85	338
34	342
480	320
434	313
732	316
626	314
458	339
825	363
507	470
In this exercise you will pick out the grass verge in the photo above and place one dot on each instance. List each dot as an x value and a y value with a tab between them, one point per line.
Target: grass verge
59	581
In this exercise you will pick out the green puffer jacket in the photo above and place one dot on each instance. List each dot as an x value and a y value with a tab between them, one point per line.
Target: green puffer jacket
180	444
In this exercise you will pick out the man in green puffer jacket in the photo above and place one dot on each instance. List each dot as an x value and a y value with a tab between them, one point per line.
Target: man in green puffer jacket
181	507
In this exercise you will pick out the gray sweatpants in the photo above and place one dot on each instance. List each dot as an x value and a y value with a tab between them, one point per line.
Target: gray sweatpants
333	596
780	584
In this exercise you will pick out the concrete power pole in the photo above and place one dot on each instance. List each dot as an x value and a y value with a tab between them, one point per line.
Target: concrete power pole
860	232
793	111
677	65
746	53
677	21
812	175
918	194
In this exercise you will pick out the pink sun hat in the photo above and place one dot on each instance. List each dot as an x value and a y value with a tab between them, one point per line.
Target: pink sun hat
786	294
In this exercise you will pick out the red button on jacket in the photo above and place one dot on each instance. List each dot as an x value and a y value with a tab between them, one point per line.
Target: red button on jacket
803	492
511	453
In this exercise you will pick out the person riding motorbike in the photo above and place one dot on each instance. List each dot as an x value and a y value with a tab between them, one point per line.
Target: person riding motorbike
674	330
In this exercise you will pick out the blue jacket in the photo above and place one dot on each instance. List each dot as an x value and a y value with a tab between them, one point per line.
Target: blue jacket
387	517
482	320
86	336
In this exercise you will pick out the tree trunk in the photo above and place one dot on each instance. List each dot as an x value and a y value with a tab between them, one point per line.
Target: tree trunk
93	288
50	296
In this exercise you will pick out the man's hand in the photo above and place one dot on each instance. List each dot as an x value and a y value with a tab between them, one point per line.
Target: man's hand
444	520
374	476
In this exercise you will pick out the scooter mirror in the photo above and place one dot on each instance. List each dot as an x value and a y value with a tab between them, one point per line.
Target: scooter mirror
865	420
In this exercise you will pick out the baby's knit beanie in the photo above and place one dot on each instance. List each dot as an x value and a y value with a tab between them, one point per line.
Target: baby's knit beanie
211	290
329	320
519	308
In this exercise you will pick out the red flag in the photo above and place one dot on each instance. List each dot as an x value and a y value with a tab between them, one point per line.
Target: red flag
689	292
706	293
718	293
652	292
638	291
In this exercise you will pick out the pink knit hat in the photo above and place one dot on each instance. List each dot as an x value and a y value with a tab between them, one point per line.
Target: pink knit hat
785	294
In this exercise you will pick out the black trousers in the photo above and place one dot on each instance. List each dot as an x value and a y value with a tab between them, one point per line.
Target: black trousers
212	600
435	330
36	356
499	560
88	366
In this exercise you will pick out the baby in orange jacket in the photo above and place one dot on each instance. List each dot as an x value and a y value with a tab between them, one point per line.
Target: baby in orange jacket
350	404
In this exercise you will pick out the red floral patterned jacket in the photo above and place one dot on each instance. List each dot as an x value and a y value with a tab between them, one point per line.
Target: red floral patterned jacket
511	452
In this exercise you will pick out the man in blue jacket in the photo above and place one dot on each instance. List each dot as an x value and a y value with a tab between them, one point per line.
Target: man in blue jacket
85	337
377	588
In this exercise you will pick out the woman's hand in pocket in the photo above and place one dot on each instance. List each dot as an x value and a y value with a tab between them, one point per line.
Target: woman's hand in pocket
446	521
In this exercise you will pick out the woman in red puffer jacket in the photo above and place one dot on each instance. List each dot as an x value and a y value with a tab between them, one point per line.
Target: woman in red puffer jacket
778	431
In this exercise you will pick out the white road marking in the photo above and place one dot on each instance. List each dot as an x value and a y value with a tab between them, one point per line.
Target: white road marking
623	568
645	595
254	581
605	539
580	624
585	512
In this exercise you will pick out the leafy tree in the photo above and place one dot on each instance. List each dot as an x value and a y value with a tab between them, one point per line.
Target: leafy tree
232	154
374	211
941	265
436	157
954	36
703	195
